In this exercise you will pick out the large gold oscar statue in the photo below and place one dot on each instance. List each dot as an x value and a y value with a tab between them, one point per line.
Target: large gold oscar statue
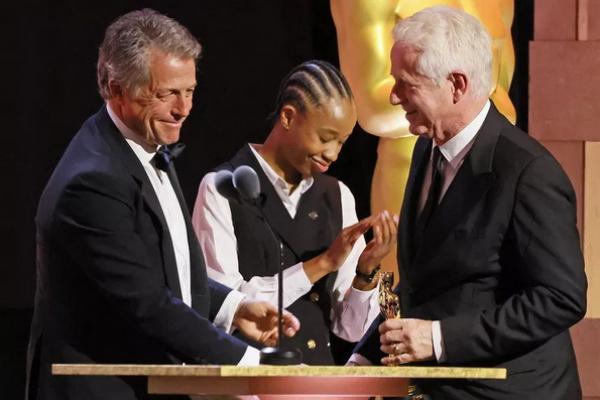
364	34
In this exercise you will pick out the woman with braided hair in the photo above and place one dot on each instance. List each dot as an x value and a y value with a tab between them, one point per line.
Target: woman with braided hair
330	273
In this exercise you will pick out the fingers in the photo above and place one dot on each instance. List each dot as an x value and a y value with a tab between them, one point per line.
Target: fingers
291	324
390	228
406	340
397	353
395	348
392	327
353	232
396	359
385	228
269	308
384	225
384	236
270	338
378	233
269	312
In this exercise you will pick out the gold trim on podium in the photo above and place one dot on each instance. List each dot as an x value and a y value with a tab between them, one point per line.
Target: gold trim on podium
278	380
269	370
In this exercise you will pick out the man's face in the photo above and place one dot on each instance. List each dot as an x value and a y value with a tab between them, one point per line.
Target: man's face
156	112
426	104
315	137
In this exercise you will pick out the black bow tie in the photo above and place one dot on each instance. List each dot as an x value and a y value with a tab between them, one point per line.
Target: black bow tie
166	154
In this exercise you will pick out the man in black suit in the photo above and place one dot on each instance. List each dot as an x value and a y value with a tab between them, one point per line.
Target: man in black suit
491	268
121	278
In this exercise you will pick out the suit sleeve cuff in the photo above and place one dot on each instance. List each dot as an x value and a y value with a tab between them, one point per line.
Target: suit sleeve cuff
224	318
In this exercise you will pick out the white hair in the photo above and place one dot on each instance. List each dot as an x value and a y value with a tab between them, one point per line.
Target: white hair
449	40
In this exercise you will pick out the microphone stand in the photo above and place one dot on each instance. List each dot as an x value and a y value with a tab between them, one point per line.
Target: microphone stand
278	355
245	182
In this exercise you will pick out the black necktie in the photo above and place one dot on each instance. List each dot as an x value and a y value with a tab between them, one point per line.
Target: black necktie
166	154
433	197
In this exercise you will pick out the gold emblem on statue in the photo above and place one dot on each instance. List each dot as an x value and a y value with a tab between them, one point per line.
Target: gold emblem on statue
389	302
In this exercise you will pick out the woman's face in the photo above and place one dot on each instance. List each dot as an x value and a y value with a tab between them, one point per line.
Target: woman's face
316	136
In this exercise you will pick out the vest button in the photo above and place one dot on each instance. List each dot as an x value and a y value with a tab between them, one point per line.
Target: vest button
314	297
311	344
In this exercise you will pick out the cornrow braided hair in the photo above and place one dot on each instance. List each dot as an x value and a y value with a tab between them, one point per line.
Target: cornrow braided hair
312	82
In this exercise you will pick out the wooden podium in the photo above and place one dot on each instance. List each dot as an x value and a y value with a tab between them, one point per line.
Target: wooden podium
279	380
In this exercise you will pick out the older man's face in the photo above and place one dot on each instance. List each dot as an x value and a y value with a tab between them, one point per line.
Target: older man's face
426	104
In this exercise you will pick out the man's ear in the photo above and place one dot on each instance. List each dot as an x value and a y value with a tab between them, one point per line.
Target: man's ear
115	89
460	85
287	116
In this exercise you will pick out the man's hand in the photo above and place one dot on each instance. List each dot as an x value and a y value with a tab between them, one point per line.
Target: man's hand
258	321
406	340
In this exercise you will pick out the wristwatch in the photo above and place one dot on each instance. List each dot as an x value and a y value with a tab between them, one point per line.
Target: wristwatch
368	277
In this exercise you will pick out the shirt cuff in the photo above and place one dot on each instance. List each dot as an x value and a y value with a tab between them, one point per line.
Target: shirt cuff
224	318
251	357
438	342
358	359
361	295
295	282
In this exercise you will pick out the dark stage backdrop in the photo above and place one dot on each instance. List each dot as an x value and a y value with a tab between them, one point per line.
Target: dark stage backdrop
49	51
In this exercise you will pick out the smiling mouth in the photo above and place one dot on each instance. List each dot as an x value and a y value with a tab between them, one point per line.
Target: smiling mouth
321	165
168	122
173	123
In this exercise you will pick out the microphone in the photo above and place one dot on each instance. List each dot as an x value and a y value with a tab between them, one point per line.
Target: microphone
245	180
243	185
224	185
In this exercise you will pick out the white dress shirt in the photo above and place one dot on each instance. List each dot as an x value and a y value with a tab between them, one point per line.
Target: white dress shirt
352	309
453	153
173	214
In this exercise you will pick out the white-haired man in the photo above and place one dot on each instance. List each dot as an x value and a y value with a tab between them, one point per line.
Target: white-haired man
489	254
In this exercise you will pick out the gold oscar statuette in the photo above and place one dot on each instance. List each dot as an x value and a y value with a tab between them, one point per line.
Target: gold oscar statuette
389	306
389	303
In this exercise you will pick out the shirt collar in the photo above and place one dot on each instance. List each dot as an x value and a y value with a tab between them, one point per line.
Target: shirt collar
131	138
275	179
455	149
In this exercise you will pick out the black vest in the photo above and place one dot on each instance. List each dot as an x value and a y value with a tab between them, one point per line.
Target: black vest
315	226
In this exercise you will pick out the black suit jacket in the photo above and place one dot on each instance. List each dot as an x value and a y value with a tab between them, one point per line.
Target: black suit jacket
500	267
108	289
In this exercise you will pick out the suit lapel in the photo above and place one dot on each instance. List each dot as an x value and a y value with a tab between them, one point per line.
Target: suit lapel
473	180
125	154
408	212
197	266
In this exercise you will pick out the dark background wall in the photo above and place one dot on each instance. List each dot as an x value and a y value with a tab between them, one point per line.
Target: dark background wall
48	89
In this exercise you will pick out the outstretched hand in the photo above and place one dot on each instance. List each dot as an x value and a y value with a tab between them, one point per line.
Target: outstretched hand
258	321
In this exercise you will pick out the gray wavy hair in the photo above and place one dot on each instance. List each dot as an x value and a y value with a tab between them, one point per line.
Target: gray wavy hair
124	55
450	40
